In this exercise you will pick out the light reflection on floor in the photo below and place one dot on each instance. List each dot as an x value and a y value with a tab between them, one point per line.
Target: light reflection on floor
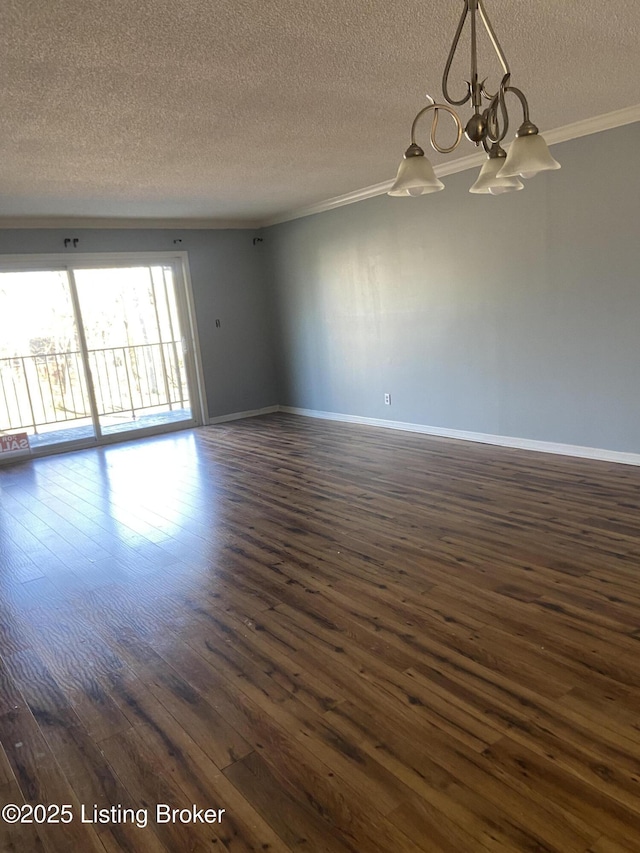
143	508
151	483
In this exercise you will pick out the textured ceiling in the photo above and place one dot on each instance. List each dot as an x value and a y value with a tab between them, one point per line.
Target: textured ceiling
251	108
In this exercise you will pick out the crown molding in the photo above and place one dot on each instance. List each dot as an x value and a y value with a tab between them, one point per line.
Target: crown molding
586	127
114	222
589	126
330	204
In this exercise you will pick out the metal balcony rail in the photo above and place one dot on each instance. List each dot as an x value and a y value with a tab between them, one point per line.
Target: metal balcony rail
50	388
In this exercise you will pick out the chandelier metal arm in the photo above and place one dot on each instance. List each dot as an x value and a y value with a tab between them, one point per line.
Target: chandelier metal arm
495	131
494	38
475	89
434	126
525	104
447	68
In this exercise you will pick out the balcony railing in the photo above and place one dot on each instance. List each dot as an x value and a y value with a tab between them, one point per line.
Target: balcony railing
37	391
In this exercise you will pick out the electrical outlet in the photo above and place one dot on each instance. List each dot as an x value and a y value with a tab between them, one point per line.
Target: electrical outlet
387	399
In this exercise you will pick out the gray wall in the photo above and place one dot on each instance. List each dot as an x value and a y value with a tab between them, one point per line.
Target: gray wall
229	284
514	315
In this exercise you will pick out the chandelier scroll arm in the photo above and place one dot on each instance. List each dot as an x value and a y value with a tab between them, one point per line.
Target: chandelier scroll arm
434	126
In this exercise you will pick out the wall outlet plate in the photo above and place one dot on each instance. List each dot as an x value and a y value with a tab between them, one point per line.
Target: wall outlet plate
387	399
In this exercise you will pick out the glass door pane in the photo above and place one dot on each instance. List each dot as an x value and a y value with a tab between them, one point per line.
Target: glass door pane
43	385
135	347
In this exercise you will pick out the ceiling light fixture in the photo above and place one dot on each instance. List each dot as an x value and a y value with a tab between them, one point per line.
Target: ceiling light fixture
488	127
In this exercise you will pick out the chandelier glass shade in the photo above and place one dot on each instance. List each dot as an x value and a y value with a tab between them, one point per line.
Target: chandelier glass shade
415	175
491	179
527	156
488	126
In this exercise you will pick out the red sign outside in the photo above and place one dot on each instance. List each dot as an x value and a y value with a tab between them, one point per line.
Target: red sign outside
17	443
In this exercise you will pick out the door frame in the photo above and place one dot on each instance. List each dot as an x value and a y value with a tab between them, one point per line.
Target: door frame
186	308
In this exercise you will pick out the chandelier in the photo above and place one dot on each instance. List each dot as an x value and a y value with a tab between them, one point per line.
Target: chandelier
488	126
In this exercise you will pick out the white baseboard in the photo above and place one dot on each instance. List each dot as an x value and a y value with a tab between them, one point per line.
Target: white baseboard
483	438
236	416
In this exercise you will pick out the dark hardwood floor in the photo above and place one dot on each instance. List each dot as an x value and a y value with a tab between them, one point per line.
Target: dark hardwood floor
349	639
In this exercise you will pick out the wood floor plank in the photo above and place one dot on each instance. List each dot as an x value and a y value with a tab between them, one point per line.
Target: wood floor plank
459	722
619	822
296	822
76	752
142	771
41	781
159	742
447	778
605	845
17	837
352	640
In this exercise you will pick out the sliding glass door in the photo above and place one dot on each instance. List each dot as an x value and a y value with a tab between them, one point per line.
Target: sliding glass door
135	347
43	378
90	352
